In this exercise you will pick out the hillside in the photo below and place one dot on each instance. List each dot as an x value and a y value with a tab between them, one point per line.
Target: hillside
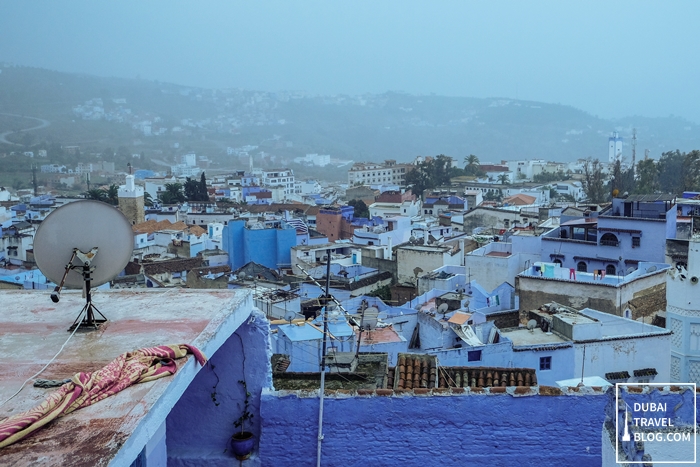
288	124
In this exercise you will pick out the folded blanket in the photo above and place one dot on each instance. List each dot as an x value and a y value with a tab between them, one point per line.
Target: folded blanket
85	389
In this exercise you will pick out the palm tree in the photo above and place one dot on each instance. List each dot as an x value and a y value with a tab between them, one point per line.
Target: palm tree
503	179
98	194
113	194
471	159
472	164
147	199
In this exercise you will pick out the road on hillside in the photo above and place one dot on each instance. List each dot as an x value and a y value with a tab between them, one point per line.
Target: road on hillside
42	124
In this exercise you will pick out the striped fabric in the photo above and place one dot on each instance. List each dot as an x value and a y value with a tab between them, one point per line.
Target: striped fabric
85	389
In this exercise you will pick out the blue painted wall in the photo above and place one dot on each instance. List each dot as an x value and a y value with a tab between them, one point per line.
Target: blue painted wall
480	430
199	430
269	247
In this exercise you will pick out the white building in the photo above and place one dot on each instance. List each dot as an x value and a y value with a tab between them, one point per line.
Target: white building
53	169
279	177
155	185
683	317
408	208
183	170
366	173
614	148
189	159
320	160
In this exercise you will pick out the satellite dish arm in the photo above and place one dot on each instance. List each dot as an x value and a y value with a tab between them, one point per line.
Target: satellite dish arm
56	294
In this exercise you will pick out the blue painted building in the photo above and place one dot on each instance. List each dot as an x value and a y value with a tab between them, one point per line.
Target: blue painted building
303	342
269	247
630	231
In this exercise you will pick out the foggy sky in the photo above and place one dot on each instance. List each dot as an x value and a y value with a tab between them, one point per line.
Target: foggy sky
611	59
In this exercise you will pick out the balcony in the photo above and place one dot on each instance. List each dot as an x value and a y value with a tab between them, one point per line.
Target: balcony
609	243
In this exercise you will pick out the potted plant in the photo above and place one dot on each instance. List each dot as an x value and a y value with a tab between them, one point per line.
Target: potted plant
242	442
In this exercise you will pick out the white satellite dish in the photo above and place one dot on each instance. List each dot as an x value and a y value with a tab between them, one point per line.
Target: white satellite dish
443	308
531	325
370	317
289	316
81	245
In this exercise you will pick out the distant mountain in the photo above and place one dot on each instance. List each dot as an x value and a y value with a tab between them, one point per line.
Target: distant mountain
288	124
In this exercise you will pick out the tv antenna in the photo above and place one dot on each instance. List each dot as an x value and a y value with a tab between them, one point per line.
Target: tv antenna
82	245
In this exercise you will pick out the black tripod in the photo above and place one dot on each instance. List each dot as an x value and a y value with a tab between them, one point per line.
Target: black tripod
89	320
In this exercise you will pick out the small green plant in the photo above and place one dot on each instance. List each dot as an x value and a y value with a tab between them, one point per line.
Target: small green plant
246	416
214	393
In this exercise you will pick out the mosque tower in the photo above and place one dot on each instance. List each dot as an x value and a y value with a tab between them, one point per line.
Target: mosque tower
131	200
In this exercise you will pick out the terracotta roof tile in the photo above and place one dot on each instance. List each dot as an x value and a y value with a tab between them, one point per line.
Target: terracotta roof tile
459	318
420	371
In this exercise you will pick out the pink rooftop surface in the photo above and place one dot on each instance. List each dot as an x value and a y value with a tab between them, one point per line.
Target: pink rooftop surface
33	329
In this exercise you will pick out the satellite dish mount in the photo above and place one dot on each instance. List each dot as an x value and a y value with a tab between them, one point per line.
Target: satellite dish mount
89	320
66	248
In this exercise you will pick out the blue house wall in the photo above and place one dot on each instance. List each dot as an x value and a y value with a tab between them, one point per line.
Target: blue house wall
200	425
269	247
501	427
478	430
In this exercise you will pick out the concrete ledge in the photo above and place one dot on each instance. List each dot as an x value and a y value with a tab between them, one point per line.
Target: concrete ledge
513	391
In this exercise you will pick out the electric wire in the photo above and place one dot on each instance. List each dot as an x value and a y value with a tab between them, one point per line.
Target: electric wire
48	363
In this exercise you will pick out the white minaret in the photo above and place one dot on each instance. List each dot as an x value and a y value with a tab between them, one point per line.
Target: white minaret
131	201
614	147
683	316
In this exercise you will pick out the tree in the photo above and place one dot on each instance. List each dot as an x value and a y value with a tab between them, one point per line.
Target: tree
593	181
503	179
196	190
670	167
690	175
112	194
647	177
429	174
383	292
494	195
147	199
361	209
472	165
622	180
98	194
172	194
546	177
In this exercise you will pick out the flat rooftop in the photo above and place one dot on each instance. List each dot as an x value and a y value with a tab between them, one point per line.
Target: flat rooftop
524	337
33	329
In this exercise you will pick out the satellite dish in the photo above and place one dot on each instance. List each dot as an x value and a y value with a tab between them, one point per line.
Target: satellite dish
242	275
531	325
651	269
290	315
81	245
370	317
630	270
443	308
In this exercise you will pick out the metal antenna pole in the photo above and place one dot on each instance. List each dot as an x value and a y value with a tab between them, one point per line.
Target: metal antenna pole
323	357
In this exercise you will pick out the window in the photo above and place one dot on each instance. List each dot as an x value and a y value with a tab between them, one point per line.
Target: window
545	363
636	241
610	270
557	261
474	356
609	239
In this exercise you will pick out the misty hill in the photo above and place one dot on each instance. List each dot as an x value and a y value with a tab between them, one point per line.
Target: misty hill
289	124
